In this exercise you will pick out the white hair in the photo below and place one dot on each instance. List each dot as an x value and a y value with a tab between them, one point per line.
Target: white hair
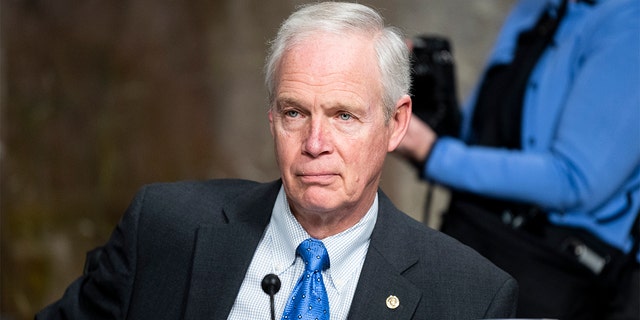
350	18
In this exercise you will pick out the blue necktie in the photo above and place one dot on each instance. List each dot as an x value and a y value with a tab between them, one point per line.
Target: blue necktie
308	300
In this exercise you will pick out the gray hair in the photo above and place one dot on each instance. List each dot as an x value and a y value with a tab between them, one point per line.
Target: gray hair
340	18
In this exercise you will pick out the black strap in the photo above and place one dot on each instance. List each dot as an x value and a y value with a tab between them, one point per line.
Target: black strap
497	115
635	235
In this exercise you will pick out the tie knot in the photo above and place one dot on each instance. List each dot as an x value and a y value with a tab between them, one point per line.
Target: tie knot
314	255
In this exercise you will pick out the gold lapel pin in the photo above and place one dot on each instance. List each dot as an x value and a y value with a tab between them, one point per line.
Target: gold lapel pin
392	302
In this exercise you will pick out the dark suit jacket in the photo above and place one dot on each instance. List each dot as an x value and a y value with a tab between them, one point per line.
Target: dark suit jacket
182	249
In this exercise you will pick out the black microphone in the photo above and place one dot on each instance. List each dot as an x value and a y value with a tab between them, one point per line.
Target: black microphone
271	286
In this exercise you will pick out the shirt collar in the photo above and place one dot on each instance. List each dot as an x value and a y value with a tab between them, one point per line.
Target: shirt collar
287	233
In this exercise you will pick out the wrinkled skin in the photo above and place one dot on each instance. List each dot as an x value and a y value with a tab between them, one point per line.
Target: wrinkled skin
330	134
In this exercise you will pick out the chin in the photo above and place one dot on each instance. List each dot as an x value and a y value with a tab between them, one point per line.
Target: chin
318	201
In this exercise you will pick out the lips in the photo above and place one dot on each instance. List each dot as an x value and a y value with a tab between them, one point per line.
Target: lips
317	177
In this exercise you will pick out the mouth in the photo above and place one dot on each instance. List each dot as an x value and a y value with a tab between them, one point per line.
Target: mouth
317	178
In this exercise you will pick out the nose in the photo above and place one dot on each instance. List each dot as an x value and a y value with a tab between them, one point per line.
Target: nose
318	139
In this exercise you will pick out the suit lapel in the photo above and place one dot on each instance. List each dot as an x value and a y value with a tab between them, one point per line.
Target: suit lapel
223	253
381	278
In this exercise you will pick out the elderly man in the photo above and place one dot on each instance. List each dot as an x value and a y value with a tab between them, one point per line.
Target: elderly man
338	82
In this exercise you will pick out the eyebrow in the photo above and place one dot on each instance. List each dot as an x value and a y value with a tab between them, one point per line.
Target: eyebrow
288	101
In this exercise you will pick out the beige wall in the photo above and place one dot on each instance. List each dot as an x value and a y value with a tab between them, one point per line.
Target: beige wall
100	97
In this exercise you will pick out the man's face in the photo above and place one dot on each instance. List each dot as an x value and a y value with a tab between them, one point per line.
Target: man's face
328	125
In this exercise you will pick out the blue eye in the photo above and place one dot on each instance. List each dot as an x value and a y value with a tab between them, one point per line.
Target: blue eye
292	113
345	116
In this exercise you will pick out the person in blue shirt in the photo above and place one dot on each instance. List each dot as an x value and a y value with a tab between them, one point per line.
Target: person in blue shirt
545	174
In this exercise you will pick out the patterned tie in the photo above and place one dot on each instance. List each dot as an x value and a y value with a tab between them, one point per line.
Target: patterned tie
308	300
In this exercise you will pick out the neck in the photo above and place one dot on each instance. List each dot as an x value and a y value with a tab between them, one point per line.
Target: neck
322	224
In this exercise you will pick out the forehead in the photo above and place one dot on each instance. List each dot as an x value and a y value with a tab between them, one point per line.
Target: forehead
326	61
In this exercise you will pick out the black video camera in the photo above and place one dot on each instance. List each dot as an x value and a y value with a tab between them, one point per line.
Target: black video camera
433	88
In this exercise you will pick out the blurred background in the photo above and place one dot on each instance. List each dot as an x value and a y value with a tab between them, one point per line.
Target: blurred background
99	97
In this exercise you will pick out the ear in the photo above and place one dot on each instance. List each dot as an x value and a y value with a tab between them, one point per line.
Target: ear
399	122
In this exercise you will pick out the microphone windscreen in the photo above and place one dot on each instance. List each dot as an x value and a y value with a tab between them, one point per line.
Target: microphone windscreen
271	284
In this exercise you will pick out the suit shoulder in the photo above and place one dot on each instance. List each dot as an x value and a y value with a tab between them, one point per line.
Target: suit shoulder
202	185
447	263
196	200
454	261
198	190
